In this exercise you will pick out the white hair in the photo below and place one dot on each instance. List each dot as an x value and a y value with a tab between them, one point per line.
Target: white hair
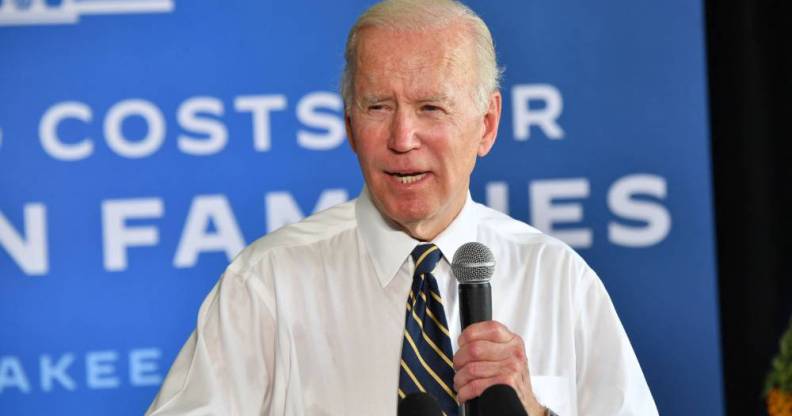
419	15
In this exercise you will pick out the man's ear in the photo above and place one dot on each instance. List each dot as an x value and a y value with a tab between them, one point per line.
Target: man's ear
491	121
348	127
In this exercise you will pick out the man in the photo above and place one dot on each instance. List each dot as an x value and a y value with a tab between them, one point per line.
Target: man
334	316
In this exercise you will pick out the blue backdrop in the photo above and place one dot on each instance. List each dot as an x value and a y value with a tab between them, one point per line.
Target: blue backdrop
143	142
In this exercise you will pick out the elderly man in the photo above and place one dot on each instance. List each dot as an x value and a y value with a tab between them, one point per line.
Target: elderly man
354	307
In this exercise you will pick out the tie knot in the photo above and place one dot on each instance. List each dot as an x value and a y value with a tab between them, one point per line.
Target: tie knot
426	257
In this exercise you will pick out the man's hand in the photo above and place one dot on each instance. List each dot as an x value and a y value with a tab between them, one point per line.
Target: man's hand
490	354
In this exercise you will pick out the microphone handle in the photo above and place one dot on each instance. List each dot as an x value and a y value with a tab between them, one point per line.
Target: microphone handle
475	305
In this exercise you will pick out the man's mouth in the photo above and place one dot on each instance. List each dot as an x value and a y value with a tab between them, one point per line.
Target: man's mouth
408	177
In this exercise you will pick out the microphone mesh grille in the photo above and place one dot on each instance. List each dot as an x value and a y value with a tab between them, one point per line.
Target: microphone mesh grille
473	263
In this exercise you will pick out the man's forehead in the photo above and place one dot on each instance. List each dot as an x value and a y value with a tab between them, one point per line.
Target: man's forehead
419	82
412	55
448	45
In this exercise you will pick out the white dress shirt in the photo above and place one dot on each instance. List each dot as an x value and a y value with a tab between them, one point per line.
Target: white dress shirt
309	320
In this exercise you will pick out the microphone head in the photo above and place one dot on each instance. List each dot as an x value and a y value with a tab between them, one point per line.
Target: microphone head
419	404
473	263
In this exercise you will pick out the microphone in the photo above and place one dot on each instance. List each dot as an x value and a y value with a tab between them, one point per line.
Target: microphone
473	266
501	400
418	404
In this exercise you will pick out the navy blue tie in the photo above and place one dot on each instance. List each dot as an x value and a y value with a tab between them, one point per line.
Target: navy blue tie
426	363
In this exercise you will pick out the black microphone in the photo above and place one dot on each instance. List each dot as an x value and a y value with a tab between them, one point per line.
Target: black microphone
501	400
473	266
419	404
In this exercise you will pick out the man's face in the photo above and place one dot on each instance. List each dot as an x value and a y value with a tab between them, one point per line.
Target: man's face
416	126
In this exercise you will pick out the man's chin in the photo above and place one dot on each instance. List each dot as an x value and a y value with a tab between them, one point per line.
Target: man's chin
407	217
413	220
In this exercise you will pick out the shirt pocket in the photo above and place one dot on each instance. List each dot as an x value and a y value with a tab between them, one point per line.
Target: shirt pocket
553	392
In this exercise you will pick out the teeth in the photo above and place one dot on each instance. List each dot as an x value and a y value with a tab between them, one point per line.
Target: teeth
410	179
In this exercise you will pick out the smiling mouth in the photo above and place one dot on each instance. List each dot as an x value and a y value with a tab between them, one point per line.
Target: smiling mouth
408	178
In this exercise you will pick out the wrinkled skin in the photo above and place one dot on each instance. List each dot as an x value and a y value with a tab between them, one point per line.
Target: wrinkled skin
414	113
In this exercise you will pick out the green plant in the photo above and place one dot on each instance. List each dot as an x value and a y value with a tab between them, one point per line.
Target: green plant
780	376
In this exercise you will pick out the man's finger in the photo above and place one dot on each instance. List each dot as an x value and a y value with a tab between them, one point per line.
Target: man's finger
477	386
482	351
493	331
479	369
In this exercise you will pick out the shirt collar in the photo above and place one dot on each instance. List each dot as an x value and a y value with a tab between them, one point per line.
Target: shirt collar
389	246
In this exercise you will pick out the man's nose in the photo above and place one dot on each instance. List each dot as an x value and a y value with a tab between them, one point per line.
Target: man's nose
403	132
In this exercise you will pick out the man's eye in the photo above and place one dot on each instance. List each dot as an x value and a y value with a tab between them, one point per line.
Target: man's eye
431	108
377	107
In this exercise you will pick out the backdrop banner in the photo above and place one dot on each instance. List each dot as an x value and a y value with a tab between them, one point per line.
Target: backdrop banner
143	143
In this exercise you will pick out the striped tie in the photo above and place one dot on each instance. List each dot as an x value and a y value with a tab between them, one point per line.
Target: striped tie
426	350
